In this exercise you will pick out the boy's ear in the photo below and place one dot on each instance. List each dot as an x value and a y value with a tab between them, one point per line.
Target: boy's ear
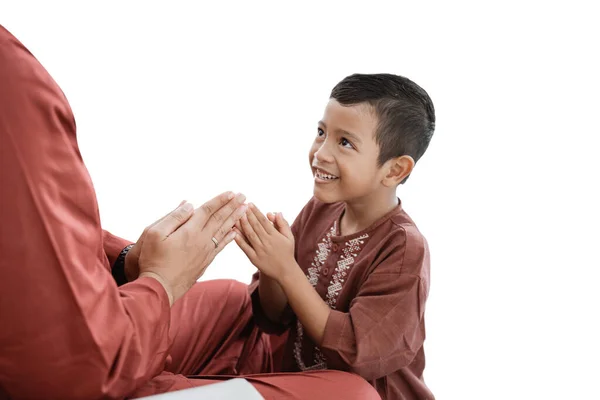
397	170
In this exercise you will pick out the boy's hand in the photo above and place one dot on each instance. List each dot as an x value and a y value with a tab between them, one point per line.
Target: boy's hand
269	246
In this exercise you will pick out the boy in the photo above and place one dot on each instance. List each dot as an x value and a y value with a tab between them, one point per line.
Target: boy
350	278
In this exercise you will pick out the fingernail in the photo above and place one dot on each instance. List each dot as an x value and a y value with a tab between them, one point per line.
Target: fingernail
230	195
240	197
187	207
244	208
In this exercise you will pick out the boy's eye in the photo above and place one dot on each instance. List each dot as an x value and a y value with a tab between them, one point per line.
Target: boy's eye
344	142
320	132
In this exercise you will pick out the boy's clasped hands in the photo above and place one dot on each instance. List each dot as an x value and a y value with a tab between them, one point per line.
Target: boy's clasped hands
267	241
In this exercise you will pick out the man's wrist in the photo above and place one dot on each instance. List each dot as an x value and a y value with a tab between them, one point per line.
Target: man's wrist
118	269
162	281
131	268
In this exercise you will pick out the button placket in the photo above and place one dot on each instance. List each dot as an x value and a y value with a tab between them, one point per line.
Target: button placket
330	265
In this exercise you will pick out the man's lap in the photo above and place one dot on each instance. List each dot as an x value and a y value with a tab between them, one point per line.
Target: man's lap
212	332
214	339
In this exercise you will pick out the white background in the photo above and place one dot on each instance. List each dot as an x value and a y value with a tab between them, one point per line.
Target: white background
185	100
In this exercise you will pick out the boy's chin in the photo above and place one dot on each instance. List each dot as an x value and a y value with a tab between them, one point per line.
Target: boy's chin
325	197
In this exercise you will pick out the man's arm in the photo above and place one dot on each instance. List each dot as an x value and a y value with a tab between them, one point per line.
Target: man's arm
113	246
70	332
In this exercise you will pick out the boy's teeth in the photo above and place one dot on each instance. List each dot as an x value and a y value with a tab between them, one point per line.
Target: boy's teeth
323	175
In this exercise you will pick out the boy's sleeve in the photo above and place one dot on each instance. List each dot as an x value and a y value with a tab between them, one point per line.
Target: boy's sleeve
384	329
261	319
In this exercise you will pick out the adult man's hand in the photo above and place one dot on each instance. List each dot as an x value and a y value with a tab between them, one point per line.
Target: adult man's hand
132	259
176	249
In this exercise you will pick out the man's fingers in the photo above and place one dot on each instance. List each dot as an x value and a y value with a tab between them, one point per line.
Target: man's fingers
158	220
217	216
229	223
206	210
225	241
169	224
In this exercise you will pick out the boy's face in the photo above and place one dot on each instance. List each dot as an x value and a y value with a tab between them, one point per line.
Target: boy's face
343	156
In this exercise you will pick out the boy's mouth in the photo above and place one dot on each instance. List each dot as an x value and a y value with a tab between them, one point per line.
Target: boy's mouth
324	176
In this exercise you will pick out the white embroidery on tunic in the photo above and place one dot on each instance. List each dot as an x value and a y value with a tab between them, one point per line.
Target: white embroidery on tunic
323	250
318	359
349	254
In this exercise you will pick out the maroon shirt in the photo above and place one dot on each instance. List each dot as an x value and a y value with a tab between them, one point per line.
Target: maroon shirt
68	331
376	282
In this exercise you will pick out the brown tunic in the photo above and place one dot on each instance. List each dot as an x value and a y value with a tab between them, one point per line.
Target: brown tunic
376	282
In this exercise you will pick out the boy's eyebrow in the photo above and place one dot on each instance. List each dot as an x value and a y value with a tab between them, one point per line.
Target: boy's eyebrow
344	133
352	135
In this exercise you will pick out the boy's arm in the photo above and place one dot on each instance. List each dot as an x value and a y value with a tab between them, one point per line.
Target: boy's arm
308	306
269	302
271	250
272	314
383	330
272	298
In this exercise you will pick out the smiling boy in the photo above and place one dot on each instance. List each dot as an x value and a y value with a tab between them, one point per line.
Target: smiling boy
350	278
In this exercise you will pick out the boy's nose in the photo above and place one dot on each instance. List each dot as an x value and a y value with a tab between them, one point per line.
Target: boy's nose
323	154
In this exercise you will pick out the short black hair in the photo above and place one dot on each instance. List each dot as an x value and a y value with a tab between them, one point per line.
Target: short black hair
405	113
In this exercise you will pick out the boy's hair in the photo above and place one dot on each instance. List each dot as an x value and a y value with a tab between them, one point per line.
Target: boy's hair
404	110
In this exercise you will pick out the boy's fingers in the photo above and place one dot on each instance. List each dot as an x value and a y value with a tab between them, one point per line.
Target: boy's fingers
249	233
254	222
266	225
243	244
241	235
283	227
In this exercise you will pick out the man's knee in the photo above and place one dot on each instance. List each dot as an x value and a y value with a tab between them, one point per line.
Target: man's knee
220	295
362	388
315	384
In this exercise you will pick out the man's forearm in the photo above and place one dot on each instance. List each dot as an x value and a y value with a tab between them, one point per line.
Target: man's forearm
272	298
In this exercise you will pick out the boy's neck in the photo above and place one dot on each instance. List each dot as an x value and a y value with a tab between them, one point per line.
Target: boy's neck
361	214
